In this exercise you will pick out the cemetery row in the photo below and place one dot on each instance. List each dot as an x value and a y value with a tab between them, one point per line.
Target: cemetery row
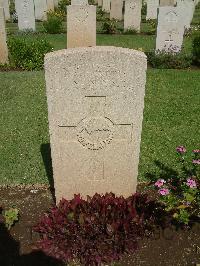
173	20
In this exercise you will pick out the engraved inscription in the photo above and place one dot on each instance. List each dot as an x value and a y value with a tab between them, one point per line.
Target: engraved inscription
95	133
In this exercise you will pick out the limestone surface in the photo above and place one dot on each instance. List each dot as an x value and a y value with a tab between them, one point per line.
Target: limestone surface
152	9
116	9
26	14
81	26
3	44
106	6
40	9
170	29
132	16
95	108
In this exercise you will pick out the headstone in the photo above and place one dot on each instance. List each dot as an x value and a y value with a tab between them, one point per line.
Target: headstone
50	5
152	9
25	13
100	2
40	9
132	15
56	3
170	29
3	44
79	2
106	6
81	26
187	8
116	9
5	5
167	2
95	107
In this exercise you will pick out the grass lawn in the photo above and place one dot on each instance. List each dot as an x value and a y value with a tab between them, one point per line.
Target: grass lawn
171	118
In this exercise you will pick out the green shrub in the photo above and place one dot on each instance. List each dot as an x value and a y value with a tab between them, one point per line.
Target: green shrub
163	59
153	26
144	8
28	54
62	5
130	31
196	50
109	26
53	25
101	14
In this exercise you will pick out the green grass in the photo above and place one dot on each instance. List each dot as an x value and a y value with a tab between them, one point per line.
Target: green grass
171	118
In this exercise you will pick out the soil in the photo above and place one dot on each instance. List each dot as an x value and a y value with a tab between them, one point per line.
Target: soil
169	246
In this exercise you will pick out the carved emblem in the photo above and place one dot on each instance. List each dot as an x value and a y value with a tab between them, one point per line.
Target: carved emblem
95	133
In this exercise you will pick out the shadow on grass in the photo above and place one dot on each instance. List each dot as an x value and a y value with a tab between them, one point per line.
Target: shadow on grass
10	253
46	156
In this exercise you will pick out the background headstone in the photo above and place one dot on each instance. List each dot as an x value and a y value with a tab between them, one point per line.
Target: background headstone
167	2
56	3
152	9
106	6
170	29
40	9
187	8
3	44
50	5
132	15
116	9
25	13
81	26
5	5
95	107
100	2
79	2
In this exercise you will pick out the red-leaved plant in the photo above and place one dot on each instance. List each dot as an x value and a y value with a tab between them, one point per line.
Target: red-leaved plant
93	231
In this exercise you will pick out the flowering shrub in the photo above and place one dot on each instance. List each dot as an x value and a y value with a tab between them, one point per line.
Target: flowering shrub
180	192
93	231
169	59
53	24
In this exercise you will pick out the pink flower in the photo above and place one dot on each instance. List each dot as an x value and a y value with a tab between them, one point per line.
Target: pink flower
164	191
160	182
191	183
196	151
196	161
181	149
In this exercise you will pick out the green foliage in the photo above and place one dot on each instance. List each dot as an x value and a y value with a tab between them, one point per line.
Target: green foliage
53	25
153	25
109	26
196	49
62	5
27	54
11	216
12	7
100	14
169	60
130	31
144	8
179	191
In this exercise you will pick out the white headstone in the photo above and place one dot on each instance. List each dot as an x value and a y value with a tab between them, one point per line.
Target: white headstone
132	15
81	26
79	2
152	9
40	9
95	107
167	2
5	5
25	13
116	9
56	3
106	6
100	2
50	5
3	44
187	8
170	29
